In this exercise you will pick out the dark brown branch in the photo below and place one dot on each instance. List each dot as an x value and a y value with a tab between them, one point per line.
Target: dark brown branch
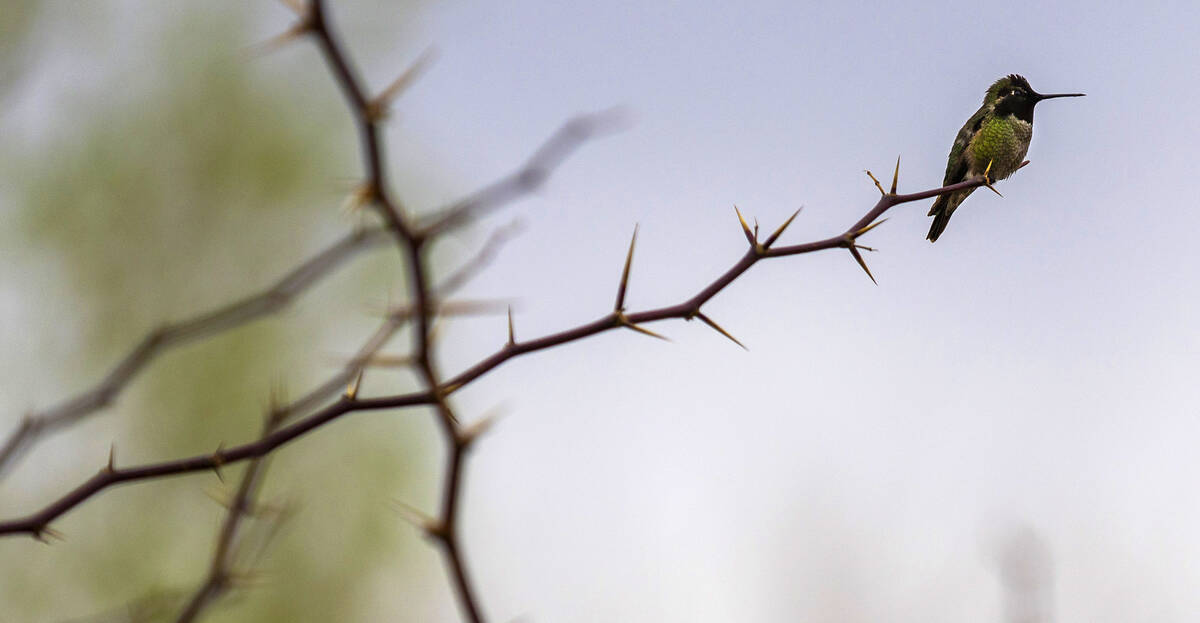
156	342
366	119
413	248
36	523
412	243
220	573
690	308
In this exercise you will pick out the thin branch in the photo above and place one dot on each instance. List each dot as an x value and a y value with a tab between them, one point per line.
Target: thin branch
366	121
413	246
413	249
690	307
220	573
37	523
269	301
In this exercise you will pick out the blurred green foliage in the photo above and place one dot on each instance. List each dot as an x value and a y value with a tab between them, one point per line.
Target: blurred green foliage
196	176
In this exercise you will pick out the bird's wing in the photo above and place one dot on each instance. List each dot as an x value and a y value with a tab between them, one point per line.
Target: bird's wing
956	166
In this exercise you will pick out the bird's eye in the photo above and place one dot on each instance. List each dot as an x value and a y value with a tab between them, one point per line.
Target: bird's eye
1012	92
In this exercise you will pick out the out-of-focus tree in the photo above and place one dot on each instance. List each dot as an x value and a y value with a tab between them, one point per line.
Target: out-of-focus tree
190	172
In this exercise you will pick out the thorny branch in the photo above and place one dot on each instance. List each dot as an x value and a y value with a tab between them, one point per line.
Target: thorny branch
221	573
367	113
158	341
36	524
413	238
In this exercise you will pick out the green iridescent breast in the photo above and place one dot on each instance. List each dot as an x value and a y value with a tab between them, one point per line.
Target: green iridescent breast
1003	142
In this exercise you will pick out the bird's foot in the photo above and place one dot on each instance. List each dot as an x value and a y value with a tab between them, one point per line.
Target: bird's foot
987	180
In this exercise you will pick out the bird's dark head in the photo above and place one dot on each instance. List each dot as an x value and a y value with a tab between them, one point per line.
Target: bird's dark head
1012	95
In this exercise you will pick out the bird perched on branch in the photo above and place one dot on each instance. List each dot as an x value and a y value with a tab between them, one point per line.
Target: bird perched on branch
992	143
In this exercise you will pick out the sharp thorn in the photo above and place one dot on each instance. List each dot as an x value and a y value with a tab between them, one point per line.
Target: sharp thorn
45	533
778	232
358	198
877	184
435	329
217	461
484	424
745	228
221	496
858	258
645	331
512	340
384	361
297	30
896	176
276	405
414	516
716	327
352	388
870	227
380	104
620	304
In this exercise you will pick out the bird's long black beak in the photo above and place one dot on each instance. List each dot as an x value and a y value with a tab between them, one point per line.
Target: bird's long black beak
1041	97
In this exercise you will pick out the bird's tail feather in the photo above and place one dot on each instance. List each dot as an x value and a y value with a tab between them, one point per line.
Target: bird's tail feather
941	210
940	219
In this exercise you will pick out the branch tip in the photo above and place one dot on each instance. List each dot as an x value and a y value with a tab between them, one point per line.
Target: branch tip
877	184
895	176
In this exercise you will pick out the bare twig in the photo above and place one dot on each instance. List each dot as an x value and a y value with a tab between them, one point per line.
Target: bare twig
413	247
413	240
37	523
221	572
271	300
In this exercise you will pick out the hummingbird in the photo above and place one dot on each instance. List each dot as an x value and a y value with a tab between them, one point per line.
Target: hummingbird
992	143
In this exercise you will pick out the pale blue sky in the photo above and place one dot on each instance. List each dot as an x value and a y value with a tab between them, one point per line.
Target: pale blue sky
1037	365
